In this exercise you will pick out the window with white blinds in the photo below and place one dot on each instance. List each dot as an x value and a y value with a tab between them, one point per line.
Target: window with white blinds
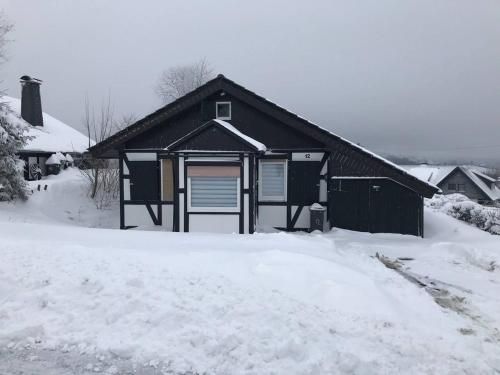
213	189
272	177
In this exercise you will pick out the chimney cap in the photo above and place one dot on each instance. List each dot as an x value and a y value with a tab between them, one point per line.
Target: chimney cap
27	78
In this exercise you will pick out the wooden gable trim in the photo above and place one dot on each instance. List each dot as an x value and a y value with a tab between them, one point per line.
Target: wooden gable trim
205	126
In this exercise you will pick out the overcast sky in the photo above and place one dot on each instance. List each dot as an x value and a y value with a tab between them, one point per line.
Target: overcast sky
417	77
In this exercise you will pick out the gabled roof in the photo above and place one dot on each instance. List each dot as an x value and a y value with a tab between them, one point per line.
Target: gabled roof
435	174
432	174
53	136
339	146
492	193
226	127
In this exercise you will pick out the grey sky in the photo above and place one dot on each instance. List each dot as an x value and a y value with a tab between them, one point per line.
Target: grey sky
398	76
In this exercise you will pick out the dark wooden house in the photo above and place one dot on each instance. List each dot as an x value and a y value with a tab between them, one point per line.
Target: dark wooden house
225	159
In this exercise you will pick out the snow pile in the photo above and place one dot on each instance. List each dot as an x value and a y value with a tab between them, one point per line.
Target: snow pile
247	304
270	303
461	208
158	302
56	158
63	200
54	135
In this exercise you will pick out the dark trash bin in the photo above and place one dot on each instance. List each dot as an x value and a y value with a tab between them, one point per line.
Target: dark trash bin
317	214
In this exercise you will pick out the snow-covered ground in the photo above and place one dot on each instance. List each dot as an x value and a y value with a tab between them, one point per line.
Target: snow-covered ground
62	200
75	299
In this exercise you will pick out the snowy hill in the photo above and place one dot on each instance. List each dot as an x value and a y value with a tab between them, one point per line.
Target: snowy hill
81	300
53	136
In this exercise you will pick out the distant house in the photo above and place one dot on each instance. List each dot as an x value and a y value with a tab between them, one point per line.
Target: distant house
224	159
50	136
471	181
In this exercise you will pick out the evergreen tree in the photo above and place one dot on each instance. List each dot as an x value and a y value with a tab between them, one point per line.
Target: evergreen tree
12	139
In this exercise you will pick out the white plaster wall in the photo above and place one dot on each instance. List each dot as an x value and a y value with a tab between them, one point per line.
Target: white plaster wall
141	156
214	223
137	214
167	216
181	212
125	168
272	216
181	172
245	172
246	216
323	191
304	219
126	189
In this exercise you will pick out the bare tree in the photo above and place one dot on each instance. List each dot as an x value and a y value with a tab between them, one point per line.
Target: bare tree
102	175
181	79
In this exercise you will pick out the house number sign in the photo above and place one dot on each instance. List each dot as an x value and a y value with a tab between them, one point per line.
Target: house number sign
307	156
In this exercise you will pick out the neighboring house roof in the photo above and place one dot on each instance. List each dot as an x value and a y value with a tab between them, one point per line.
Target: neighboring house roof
492	193
432	174
341	147
252	143
435	174
53	136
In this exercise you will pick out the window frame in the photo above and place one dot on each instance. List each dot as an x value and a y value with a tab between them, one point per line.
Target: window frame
270	198
461	190
236	209
217	111
452	184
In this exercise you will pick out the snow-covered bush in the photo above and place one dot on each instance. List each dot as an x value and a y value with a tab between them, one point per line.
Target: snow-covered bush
12	139
462	208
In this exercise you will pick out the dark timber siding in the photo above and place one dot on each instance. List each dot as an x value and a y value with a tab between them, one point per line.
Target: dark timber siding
396	206
256	124
144	181
304	177
375	205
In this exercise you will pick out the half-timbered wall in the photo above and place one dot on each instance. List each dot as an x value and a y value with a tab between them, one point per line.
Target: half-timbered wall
305	185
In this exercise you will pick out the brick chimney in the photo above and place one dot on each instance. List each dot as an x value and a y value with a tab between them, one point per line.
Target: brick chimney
31	103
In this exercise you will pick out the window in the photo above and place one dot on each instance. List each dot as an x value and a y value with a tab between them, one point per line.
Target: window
272	181
452	187
213	188
461	187
223	110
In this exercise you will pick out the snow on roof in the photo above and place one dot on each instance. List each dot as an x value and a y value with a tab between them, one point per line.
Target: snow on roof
352	144
434	174
480	174
492	193
53	136
55	159
259	146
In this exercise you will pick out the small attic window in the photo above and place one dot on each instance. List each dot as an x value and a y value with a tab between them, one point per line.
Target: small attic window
223	110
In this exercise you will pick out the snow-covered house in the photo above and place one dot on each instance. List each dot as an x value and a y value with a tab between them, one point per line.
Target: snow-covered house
225	159
469	180
49	135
